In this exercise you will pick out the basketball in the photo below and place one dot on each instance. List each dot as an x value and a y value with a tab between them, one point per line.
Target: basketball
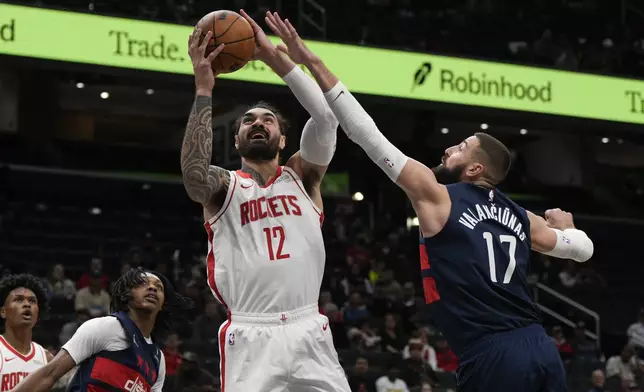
235	32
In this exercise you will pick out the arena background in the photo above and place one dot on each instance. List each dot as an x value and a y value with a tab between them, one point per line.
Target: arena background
90	183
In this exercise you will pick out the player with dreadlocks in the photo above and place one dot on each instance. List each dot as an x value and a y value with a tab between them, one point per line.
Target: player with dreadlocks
117	352
24	298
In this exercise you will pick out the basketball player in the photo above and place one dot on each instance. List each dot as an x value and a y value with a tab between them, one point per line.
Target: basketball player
117	352
265	252
476	245
24	299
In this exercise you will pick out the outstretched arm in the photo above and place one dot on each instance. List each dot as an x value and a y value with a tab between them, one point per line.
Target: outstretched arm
557	236
202	181
317	144
418	181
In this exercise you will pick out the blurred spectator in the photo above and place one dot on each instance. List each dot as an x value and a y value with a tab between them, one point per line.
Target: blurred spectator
415	369
391	382
426	387
582	348
357	281
635	333
624	366
446	360
427	352
356	311
95	269
172	357
191	377
565	349
393	340
569	277
411	305
94	298
69	329
364	338
58	285
206	326
360	379
598	380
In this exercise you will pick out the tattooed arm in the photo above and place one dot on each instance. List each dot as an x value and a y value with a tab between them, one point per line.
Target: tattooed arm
201	180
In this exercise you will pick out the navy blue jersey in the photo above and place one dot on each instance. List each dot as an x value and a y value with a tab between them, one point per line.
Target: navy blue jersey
475	269
133	369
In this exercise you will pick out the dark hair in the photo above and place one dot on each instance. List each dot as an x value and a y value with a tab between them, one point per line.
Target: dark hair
496	155
174	307
12	282
281	120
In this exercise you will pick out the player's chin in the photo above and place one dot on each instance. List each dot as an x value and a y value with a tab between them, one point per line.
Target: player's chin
258	152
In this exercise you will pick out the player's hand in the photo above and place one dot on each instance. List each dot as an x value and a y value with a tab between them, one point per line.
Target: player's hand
558	219
202	65
264	48
293	45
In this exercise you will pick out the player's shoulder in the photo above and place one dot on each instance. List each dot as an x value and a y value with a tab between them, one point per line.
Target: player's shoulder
105	323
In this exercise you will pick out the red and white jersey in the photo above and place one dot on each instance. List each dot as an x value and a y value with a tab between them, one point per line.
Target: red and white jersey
265	248
15	366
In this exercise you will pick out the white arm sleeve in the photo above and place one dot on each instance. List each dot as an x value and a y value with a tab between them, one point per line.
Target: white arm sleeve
572	244
158	384
93	336
319	135
362	130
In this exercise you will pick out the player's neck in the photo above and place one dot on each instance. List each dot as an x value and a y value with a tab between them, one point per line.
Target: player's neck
19	339
144	321
260	171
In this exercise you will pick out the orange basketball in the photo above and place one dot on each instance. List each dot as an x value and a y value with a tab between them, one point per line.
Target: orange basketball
230	28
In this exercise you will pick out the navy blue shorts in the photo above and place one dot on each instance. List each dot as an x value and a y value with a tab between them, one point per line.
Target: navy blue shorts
522	360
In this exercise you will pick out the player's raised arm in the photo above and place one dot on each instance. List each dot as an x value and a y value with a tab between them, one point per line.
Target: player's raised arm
417	180
318	140
201	180
557	236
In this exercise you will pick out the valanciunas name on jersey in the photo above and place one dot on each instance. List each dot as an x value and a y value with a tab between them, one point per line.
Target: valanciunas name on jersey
483	212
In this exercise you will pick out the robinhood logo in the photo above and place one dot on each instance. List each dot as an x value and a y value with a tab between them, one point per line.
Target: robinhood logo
485	85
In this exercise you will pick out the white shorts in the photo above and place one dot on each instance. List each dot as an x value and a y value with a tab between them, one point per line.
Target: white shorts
291	351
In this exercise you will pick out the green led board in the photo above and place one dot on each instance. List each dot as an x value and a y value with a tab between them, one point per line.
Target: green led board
151	46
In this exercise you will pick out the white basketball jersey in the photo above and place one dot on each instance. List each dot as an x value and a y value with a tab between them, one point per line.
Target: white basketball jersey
14	366
265	250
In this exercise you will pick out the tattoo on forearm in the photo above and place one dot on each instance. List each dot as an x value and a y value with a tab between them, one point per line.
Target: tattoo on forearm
200	179
254	174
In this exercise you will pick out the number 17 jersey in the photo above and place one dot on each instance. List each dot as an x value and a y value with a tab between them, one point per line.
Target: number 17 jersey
265	248
475	270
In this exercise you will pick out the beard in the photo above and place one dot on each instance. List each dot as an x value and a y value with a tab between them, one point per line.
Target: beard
446	176
259	150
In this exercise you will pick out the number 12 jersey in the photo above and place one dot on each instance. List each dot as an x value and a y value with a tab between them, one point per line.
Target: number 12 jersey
265	248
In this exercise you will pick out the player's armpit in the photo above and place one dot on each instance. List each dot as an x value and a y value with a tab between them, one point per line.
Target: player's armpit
43	379
429	198
311	176
420	184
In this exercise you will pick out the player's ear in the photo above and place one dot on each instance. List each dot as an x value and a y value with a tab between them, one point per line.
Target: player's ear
282	142
474	169
237	142
3	313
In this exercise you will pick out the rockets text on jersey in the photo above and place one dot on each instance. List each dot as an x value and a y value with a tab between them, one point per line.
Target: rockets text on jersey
265	250
15	366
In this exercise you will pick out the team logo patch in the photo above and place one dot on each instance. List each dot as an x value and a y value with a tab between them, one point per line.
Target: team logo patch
231	339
